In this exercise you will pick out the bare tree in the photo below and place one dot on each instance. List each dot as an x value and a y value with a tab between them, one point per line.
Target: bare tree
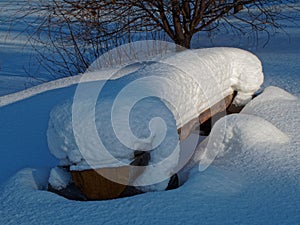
78	31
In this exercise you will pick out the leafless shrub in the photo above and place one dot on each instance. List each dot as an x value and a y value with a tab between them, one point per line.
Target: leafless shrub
76	32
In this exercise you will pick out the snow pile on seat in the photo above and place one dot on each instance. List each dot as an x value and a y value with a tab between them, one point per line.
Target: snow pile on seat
64	145
220	69
142	110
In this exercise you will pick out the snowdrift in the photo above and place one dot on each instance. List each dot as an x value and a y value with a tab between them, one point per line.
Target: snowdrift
260	133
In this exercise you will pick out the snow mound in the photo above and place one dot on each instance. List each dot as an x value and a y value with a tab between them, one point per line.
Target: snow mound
265	125
27	180
278	107
240	133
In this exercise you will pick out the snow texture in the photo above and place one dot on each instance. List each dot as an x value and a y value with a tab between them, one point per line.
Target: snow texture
247	182
188	83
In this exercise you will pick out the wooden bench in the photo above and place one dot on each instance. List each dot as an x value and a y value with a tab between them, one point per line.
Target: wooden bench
94	183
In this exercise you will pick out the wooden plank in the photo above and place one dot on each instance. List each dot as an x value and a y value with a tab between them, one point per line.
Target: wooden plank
221	106
95	186
110	182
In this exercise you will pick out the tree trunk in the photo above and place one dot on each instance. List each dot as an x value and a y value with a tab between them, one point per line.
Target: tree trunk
185	42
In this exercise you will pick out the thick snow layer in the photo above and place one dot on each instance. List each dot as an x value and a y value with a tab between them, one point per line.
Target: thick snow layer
63	144
216	69
187	83
253	180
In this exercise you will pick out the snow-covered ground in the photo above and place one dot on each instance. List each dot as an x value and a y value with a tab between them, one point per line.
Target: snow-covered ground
17	61
10	84
251	176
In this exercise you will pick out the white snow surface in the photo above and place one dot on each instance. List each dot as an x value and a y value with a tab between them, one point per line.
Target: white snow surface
254	179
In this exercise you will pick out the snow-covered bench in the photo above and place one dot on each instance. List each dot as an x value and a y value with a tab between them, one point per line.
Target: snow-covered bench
124	119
